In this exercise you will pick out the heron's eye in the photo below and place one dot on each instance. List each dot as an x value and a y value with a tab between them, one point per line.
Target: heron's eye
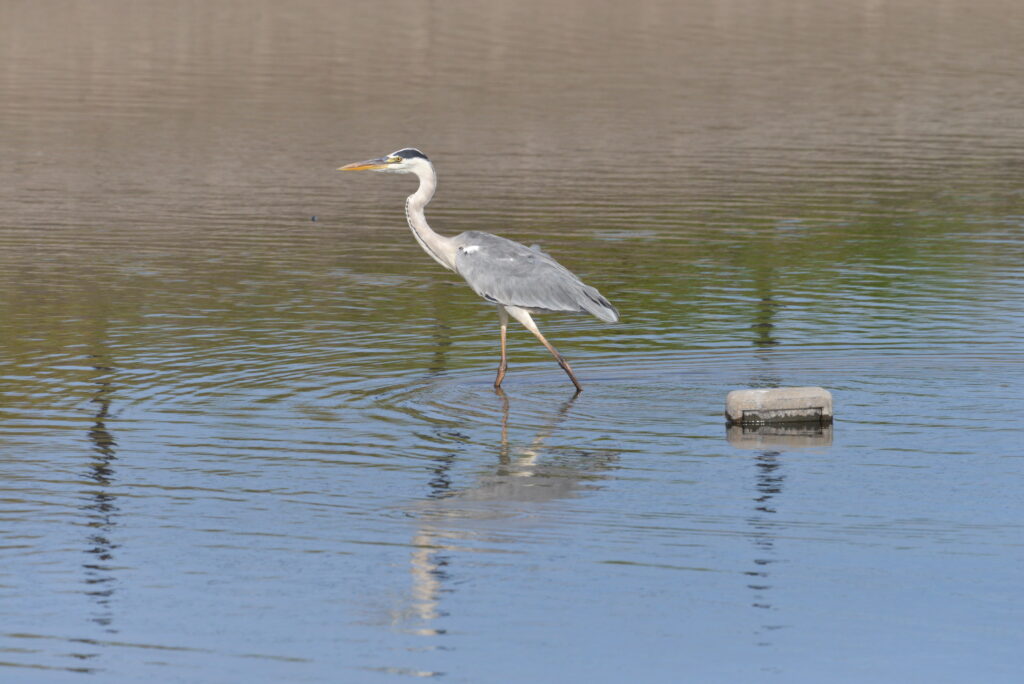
394	160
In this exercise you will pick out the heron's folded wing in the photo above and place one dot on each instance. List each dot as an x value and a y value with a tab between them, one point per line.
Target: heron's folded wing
506	272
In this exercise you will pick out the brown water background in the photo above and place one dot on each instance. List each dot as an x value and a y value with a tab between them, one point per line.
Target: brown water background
241	444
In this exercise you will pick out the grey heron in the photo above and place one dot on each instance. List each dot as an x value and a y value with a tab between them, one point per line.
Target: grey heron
519	280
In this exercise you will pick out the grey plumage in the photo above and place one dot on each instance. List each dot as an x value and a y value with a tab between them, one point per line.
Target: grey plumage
511	274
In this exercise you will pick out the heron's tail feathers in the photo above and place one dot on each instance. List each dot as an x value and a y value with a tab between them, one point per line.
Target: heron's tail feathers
594	303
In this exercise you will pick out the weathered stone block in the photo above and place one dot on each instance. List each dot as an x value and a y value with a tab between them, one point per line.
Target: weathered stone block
779	405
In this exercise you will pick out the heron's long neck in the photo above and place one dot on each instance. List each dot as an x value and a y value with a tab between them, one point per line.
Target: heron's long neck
437	246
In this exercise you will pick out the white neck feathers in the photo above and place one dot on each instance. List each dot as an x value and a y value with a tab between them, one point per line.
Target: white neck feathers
437	246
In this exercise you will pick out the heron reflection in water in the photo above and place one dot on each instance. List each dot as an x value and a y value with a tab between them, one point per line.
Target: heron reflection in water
519	280
472	519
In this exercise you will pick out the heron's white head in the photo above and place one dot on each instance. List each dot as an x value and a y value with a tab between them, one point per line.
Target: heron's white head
405	160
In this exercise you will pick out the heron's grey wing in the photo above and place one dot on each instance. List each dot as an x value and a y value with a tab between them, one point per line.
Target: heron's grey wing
506	272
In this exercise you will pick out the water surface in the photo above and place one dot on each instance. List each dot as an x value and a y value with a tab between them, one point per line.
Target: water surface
237	443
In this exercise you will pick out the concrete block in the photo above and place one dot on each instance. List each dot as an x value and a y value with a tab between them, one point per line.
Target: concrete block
779	405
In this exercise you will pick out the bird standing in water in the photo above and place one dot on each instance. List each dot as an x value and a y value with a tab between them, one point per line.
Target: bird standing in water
520	280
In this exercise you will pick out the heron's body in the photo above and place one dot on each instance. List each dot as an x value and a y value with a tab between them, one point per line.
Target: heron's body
519	280
510	274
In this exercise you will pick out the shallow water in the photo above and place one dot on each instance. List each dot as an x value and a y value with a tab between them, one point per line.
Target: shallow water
240	444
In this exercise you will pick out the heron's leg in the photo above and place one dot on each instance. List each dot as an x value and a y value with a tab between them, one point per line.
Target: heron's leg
503	366
526	319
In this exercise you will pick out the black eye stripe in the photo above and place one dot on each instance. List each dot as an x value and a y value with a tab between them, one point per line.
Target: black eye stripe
410	153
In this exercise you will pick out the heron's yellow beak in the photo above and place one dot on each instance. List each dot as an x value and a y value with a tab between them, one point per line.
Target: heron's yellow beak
368	165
